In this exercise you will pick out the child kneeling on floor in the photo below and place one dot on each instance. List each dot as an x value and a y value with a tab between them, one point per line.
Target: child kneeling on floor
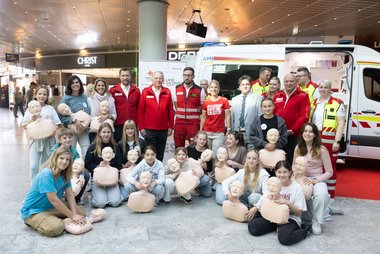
43	209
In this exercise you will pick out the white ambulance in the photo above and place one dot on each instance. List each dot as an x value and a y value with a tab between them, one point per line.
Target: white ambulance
354	71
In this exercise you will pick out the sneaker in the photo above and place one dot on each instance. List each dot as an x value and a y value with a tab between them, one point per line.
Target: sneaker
316	228
195	193
187	201
334	209
163	202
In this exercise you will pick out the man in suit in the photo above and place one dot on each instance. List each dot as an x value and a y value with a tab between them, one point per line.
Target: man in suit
245	107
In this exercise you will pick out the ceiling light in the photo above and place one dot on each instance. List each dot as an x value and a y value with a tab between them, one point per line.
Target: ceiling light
26	12
335	18
272	22
315	25
181	46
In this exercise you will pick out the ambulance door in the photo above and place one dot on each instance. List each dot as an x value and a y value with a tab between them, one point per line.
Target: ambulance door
366	116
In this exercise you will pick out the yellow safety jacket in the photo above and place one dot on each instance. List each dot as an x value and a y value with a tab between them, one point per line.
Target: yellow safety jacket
309	88
330	119
258	88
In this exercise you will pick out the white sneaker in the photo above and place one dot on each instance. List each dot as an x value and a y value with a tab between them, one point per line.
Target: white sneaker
316	228
334	209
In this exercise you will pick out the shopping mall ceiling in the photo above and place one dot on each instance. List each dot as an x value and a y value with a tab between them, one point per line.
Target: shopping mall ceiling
60	26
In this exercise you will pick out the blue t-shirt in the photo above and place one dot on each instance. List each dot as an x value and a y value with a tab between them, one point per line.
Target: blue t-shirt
77	103
36	201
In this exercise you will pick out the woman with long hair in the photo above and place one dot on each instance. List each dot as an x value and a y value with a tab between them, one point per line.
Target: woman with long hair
319	170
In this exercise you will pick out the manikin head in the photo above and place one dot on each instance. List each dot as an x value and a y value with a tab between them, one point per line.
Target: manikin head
107	154
273	135
206	155
222	154
64	109
34	107
104	107
237	188
274	186
300	165
133	156
78	166
145	178
173	165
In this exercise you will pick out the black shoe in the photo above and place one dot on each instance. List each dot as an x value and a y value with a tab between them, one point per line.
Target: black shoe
16	116
163	202
187	201
307	228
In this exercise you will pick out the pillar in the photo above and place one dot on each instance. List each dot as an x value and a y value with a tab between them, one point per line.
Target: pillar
152	29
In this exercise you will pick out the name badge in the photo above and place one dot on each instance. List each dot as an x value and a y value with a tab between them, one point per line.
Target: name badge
118	94
179	93
279	99
194	95
150	97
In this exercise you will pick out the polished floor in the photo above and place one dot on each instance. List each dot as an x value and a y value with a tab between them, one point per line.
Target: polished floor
175	228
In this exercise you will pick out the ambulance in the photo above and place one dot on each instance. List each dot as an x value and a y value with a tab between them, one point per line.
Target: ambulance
353	70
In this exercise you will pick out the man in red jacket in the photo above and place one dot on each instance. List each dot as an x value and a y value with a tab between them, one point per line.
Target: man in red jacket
127	97
156	114
293	105
187	100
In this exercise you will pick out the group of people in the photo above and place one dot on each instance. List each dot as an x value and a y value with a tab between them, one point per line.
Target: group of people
309	122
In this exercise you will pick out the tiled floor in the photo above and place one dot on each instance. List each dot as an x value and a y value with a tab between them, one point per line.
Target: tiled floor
174	228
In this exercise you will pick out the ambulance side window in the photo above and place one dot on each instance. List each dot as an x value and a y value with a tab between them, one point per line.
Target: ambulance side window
229	74
372	83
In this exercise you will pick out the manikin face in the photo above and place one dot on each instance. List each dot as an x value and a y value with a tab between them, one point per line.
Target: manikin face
34	107
221	154
236	188
206	155
274	186
104	107
245	86
273	136
145	178
64	109
132	156
300	165
63	161
78	166
107	154
173	165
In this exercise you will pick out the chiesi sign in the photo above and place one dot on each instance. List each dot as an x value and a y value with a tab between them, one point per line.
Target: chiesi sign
87	61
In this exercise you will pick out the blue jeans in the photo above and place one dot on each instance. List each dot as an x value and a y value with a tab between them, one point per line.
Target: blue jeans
157	191
248	199
204	186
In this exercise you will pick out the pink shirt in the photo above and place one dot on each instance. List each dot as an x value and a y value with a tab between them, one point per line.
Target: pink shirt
319	168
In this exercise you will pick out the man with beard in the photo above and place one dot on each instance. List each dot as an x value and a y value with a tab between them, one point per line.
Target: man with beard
188	99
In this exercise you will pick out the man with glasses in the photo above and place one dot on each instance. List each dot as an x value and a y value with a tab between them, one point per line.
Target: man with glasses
304	82
188	99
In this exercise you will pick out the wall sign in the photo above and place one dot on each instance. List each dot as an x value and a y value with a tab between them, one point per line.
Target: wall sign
87	61
176	55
